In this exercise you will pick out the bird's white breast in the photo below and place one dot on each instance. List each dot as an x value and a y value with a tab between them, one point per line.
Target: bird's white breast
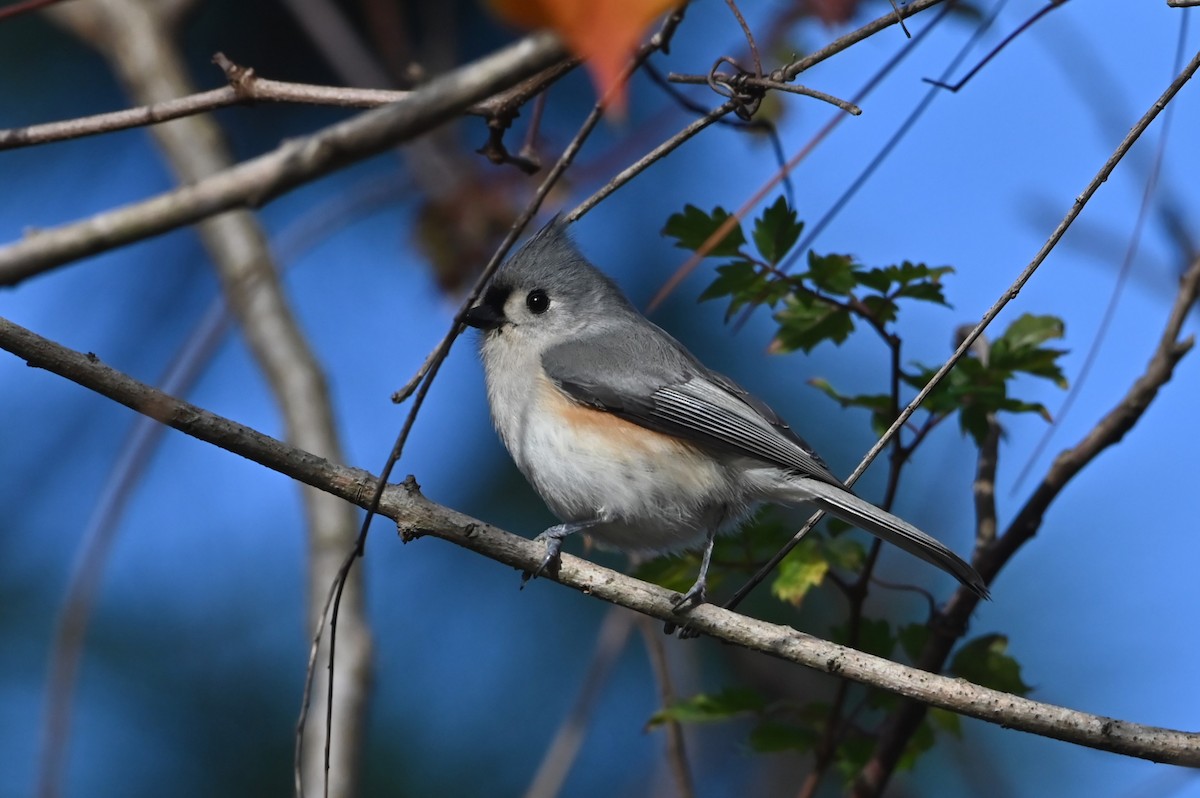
655	491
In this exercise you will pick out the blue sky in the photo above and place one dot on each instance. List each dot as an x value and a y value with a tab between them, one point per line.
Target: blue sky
201	608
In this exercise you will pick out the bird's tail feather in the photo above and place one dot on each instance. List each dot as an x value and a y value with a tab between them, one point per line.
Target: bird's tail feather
864	515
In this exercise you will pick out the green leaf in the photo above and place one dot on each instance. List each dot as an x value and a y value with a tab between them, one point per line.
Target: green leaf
776	231
833	274
705	708
745	283
870	401
772	736
974	421
913	280
1030	331
733	279
881	308
802	569
692	228
985	661
805	321
845	553
926	291
1020	348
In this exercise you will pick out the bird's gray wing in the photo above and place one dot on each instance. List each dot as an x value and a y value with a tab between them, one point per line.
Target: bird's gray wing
642	374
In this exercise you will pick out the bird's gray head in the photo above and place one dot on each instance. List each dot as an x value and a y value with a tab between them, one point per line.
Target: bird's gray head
547	293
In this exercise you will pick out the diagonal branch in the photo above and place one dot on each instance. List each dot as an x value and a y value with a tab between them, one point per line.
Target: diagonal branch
255	182
897	731
416	515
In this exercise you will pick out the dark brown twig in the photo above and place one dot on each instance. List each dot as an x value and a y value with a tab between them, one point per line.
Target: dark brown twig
898	729
954	87
417	516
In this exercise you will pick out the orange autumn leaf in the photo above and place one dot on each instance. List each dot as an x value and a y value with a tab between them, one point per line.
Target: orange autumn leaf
602	32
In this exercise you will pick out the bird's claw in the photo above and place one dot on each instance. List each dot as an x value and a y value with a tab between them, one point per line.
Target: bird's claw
550	562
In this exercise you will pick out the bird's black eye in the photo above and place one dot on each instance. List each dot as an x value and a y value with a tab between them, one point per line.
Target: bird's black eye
537	301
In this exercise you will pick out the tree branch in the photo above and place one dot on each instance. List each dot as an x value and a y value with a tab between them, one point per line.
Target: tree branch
897	731
416	515
259	180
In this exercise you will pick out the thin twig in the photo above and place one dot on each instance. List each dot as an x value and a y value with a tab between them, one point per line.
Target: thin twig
677	758
814	230
1026	273
433	364
1149	191
650	158
259	180
789	72
941	82
246	88
737	13
900	19
897	730
416	515
766	84
782	174
984	488
1012	291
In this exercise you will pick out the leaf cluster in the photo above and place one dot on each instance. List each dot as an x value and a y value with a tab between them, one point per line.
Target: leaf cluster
788	726
832	298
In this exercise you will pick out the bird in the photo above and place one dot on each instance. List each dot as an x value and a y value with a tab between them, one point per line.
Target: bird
628	437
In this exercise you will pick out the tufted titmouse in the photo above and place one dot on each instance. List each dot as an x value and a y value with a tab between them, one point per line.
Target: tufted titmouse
627	436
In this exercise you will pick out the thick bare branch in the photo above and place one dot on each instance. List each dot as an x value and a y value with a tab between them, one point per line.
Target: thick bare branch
417	515
897	731
137	41
257	181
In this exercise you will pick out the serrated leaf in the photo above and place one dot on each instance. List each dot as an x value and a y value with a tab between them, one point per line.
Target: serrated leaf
805	321
744	283
833	274
1030	331
802	569
692	227
776	231
882	309
974	421
986	662
732	279
877	402
703	708
1020	348
1017	406
925	291
902	276
772	736
845	553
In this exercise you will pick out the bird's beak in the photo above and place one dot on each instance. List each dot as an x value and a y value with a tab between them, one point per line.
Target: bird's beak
484	317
